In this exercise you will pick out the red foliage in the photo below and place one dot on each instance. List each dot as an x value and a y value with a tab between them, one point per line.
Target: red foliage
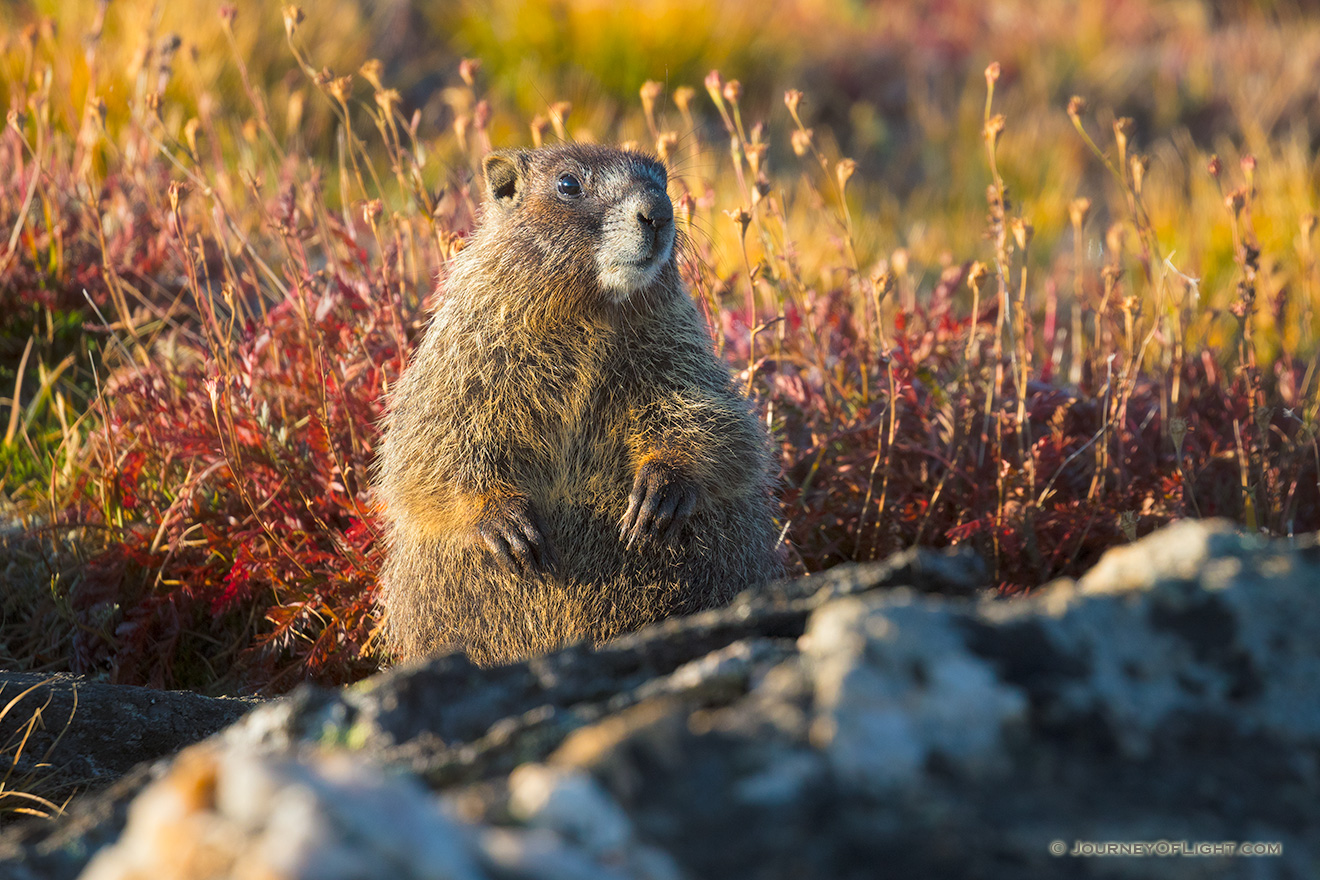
57	259
1038	506
254	533
224	474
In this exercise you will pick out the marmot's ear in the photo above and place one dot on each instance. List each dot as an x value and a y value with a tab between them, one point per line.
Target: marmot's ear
506	175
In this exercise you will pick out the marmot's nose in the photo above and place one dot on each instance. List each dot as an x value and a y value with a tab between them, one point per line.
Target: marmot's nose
656	211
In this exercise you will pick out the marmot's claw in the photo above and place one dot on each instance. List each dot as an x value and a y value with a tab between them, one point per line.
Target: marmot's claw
515	537
686	504
661	501
498	547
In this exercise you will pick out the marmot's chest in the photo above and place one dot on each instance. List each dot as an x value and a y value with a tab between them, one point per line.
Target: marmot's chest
566	398
553	387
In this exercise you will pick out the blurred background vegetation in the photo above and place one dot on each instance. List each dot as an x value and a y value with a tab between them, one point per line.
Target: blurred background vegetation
897	87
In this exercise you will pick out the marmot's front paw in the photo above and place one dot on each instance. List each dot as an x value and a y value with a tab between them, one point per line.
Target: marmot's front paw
661	501
515	536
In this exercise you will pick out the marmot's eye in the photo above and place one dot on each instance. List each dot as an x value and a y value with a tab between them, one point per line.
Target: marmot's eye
569	186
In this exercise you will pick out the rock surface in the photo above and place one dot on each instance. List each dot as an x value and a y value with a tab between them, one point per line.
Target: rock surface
79	734
880	720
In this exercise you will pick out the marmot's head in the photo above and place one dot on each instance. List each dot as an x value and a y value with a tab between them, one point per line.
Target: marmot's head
598	215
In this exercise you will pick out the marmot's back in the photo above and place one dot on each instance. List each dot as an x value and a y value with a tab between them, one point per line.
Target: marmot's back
566	457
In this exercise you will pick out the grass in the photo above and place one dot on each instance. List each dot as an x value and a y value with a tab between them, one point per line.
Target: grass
18	795
971	309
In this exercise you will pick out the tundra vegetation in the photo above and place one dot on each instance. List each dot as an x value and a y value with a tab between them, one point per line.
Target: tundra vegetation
1033	278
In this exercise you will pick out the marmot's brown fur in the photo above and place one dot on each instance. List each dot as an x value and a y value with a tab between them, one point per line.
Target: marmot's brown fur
565	457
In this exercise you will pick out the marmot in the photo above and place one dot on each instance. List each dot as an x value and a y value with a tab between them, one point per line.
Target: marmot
565	456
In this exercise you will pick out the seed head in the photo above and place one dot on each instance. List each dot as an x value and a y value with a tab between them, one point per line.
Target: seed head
683	96
733	91
802	141
1022	232
793	100
1076	107
539	124
468	69
994	127
882	280
190	134
1115	236
742	217
559	117
755	156
685	206
1122	132
651	92
844	171
1078	211
341	87
293	16
992	74
715	87
1138	165
178	189
666	144
387	100
1214	166
371	71
1236	200
976	275
1248	163
899	260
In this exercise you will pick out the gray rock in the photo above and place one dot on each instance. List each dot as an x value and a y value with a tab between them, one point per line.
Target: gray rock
81	734
896	687
871	719
222	811
570	803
